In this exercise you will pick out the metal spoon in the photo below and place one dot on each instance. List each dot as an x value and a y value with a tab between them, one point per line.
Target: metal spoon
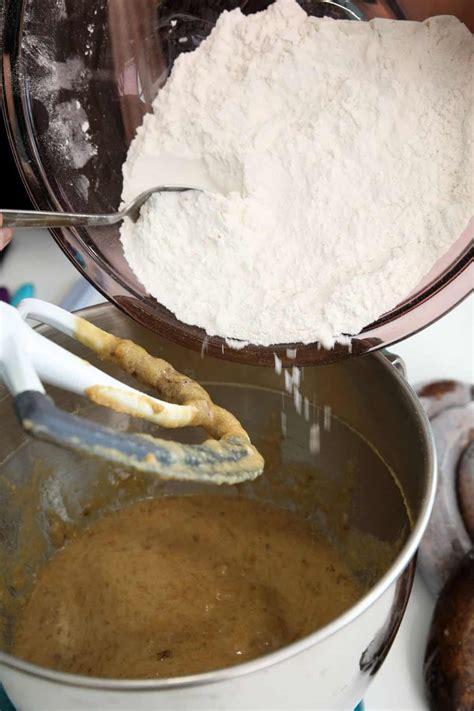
37	218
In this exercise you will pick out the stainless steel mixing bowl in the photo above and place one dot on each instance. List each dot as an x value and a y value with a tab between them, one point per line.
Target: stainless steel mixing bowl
78	77
373	473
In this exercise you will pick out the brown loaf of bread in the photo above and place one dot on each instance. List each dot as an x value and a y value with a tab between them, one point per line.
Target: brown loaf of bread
449	659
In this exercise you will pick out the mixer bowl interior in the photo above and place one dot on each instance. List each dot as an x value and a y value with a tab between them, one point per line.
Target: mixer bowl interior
367	486
78	78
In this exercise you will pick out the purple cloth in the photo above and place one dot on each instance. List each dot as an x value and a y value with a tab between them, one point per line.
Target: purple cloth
4	294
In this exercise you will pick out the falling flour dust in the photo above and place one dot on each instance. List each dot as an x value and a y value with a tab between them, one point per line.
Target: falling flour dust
338	161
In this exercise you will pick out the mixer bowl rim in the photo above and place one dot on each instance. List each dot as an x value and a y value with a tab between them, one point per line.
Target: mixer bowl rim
221	675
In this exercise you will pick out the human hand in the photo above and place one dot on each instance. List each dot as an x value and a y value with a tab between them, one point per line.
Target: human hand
5	234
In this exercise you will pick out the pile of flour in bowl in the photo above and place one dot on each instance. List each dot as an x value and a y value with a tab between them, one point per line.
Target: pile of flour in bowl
339	160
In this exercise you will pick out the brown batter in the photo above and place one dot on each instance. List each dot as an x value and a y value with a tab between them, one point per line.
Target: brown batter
161	376
227	457
182	585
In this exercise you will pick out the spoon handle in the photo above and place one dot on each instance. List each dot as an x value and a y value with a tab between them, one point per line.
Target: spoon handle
35	218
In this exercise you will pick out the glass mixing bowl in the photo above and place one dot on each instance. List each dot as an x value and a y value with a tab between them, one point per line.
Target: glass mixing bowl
78	77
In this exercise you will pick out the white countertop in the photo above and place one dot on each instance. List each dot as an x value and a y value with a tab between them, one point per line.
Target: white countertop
443	350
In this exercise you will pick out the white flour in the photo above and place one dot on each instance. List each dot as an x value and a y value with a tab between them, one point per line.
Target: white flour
342	158
68	128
